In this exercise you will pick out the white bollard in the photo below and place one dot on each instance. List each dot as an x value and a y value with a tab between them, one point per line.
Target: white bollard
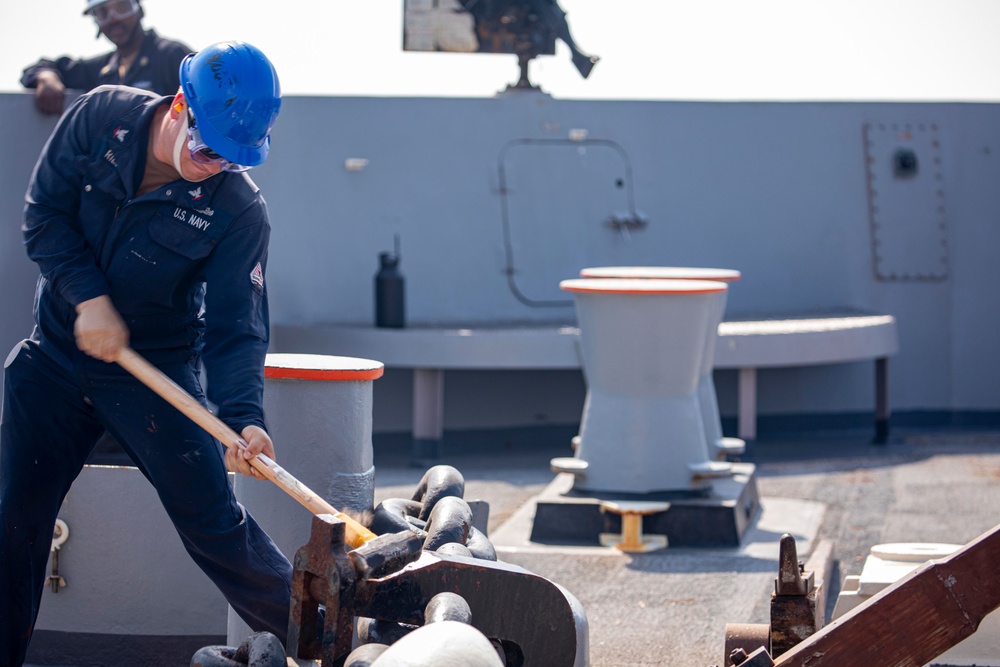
719	445
643	342
319	414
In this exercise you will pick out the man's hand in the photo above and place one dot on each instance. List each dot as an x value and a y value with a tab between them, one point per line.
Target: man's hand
50	93
99	329
258	442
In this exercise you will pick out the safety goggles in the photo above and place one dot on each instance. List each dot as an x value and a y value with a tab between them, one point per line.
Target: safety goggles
202	154
115	10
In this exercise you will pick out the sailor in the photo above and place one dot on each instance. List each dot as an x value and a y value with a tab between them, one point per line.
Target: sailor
147	233
141	59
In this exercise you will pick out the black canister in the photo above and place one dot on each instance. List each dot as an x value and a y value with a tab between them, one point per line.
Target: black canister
390	295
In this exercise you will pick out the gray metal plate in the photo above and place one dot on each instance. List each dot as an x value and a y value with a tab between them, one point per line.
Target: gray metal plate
566	205
906	201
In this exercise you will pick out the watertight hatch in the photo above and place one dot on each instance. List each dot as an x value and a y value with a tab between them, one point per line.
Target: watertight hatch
565	205
906	201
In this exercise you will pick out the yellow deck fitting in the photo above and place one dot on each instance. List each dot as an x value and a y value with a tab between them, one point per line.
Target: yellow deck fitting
631	538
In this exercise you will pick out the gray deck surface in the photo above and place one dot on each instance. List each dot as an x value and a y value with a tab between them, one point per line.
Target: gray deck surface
671	607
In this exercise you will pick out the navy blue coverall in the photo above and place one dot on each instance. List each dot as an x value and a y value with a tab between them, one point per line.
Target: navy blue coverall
184	266
155	68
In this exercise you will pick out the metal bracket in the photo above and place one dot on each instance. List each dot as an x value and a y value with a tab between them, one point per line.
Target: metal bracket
759	658
59	536
798	604
353	584
627	223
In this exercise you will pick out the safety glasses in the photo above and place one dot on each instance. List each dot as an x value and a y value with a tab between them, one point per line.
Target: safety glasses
202	154
114	10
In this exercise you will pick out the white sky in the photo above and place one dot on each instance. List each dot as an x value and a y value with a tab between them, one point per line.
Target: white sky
913	50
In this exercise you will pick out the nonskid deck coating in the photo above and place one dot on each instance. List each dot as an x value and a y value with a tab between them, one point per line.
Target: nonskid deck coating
671	607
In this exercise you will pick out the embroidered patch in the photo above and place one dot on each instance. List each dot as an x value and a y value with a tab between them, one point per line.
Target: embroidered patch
196	194
257	276
120	133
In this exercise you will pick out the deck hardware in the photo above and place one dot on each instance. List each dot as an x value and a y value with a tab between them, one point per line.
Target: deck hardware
626	223
745	637
798	603
568	464
790	570
59	536
758	658
325	572
631	538
930	610
54	580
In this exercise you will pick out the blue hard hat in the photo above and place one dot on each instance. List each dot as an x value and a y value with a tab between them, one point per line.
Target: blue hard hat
233	92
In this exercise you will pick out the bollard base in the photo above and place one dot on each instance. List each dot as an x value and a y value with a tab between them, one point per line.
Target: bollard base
719	517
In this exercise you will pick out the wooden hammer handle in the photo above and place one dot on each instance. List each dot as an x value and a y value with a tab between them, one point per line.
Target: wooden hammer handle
151	376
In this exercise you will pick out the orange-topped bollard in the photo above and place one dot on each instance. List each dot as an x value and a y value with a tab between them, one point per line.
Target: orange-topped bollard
319	415
643	343
719	445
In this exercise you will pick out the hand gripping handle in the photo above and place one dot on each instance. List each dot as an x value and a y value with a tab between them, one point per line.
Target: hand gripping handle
355	533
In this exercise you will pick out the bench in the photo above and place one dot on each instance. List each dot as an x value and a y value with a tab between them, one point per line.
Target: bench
745	343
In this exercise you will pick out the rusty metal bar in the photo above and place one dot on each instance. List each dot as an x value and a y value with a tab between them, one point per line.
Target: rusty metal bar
915	620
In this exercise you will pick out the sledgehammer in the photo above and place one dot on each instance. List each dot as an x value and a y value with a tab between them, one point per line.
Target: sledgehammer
151	376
